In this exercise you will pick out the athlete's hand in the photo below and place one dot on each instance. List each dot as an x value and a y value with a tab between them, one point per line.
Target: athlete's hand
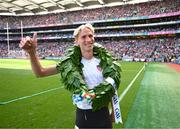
88	95
29	44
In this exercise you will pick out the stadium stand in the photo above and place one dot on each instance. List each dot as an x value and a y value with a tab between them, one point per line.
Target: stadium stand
141	32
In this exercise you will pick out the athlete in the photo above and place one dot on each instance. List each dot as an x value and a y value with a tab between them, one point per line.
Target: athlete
84	38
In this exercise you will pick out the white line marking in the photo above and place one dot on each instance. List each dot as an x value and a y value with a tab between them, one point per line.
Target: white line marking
128	87
130	84
29	96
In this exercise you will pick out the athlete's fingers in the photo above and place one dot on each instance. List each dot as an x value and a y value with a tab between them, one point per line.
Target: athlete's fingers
34	39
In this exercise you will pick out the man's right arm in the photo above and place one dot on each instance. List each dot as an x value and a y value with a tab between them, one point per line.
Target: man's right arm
38	70
29	45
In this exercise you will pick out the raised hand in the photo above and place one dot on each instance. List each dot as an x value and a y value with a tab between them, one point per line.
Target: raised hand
29	44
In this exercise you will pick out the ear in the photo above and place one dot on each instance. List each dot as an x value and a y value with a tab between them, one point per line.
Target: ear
76	41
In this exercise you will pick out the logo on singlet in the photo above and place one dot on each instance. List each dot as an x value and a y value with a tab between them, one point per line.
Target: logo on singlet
99	68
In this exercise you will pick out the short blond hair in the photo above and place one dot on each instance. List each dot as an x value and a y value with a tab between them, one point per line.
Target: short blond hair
80	28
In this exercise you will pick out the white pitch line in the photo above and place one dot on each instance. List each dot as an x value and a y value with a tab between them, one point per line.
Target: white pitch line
130	84
29	96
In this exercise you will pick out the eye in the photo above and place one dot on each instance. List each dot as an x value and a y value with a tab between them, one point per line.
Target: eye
84	36
90	36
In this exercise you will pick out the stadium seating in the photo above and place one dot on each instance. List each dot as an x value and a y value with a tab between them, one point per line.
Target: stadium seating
121	29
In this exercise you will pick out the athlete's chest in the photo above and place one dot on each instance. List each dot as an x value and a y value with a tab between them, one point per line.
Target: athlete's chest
92	72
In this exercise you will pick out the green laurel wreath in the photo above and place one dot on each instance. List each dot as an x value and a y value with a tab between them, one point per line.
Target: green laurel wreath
70	68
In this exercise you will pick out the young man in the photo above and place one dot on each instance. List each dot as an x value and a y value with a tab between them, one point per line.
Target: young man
84	37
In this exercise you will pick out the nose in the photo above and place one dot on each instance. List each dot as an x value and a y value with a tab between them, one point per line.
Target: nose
88	39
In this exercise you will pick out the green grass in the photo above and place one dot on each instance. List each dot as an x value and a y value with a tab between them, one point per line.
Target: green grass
129	71
157	103
21	64
53	109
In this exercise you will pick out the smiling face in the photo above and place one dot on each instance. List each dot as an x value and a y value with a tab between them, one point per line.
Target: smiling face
85	40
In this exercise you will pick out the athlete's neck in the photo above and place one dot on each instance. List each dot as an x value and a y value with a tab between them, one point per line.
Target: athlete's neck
88	55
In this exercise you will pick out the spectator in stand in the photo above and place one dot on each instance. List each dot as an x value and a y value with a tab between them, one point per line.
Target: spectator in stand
141	9
160	50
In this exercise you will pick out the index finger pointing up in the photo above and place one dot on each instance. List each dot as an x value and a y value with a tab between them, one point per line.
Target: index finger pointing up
35	37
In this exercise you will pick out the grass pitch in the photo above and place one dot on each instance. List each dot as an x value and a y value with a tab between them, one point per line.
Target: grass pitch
44	106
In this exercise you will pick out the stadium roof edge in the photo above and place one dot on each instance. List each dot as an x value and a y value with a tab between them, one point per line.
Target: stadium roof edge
41	7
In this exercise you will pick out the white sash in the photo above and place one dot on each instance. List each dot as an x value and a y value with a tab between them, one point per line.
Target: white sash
115	103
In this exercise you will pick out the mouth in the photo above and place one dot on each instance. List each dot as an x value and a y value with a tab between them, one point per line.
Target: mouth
89	45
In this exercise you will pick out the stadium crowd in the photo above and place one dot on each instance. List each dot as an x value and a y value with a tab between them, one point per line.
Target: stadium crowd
142	9
158	50
45	35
